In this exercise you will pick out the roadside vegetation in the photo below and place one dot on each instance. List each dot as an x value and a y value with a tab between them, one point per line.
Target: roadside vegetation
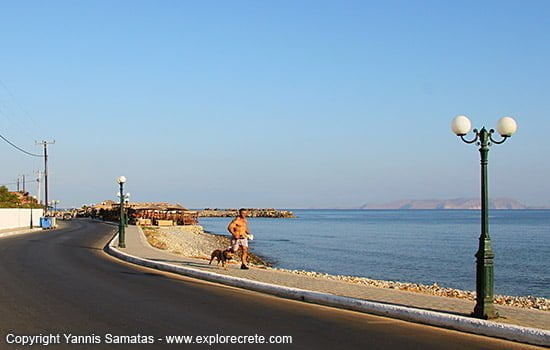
16	199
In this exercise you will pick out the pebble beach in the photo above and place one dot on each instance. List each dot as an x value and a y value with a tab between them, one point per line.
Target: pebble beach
193	242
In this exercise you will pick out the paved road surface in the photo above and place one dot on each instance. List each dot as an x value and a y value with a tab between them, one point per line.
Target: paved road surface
61	282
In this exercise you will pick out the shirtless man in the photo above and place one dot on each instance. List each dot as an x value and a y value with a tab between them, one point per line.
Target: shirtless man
239	230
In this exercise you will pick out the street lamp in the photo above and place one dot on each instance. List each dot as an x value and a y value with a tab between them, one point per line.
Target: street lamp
121	242
55	202
506	127
127	202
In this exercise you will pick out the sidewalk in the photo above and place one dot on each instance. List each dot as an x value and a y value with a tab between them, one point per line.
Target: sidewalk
136	245
18	231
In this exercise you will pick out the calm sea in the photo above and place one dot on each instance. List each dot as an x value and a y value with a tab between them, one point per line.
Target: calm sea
420	246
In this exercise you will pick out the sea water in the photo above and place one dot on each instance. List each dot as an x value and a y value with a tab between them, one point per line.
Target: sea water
419	246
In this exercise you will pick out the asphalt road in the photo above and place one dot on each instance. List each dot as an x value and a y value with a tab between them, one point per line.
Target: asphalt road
62	282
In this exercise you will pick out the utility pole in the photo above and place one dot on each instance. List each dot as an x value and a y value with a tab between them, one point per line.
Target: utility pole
39	190
17	184
45	144
24	182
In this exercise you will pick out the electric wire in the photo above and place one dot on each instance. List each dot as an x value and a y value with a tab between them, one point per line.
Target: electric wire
19	148
12	111
29	120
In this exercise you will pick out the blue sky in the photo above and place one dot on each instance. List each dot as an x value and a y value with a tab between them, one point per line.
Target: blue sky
275	103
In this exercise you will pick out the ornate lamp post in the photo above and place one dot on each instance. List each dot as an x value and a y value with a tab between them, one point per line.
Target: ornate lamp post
32	207
121	233
127	203
506	127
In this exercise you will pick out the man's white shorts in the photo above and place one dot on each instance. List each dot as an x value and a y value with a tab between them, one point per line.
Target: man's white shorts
236	243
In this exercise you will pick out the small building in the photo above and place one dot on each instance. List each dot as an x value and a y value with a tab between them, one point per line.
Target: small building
161	214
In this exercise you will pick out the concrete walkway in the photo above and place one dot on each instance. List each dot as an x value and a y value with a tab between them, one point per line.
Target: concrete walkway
137	245
18	231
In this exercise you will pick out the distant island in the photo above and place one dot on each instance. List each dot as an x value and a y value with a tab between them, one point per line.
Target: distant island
459	203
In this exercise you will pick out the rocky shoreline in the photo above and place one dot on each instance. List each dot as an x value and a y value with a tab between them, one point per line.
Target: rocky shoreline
528	302
194	242
252	212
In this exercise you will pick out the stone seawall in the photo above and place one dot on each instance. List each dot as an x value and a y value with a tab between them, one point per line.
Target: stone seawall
252	212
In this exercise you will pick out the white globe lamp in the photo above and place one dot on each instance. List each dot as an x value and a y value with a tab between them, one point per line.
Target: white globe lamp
461	125
507	126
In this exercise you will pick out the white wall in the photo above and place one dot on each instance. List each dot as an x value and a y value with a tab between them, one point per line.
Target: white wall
19	218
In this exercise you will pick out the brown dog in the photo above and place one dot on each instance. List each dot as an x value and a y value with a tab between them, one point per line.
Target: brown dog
223	256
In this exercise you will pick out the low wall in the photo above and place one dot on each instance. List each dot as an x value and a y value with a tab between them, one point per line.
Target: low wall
19	218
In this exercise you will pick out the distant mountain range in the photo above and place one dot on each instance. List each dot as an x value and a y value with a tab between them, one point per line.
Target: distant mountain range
459	203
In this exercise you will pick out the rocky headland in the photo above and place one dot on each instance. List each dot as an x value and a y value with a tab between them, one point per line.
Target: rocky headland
193	242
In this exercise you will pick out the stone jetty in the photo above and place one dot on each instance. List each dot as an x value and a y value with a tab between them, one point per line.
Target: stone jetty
252	212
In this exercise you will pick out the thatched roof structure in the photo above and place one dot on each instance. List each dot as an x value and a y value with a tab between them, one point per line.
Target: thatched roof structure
156	206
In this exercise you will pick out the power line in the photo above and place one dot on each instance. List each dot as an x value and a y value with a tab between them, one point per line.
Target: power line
17	104
19	148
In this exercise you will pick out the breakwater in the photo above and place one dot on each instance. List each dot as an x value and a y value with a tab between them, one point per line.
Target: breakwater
252	212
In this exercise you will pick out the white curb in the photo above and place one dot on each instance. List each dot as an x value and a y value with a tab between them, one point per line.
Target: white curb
471	325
